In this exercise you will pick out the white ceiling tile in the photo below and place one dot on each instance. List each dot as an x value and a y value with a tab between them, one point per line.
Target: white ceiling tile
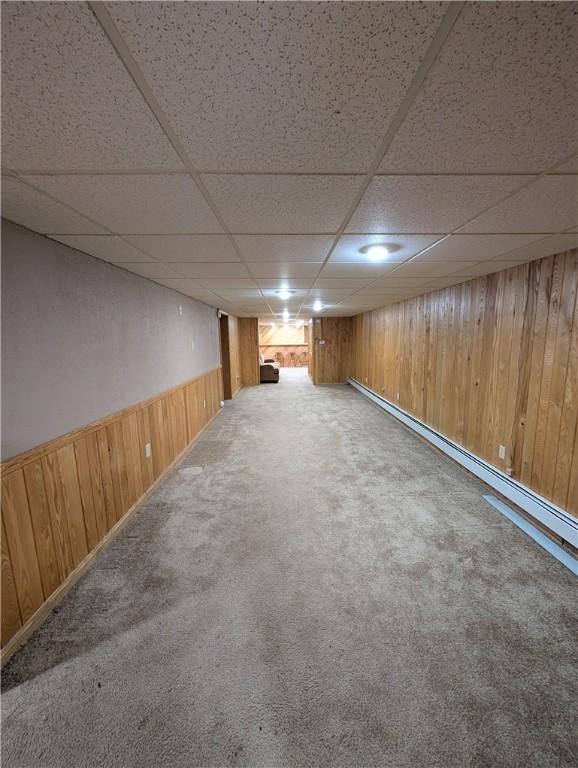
150	269
291	269
67	99
195	269
291	284
279	86
135	204
474	247
329	295
106	247
189	288
446	282
366	270
376	291
546	247
427	203
548	205
229	282
486	268
283	204
284	247
186	247
348	247
570	166
394	282
431	269
341	283
501	97
32	209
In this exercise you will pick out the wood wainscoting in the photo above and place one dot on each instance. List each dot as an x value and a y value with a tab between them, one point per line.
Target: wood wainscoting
490	362
64	500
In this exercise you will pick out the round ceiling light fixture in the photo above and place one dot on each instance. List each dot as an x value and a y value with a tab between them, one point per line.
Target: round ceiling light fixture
318	306
284	293
379	251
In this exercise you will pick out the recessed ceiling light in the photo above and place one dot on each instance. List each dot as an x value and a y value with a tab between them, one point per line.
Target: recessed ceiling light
284	293
379	251
318	306
285	313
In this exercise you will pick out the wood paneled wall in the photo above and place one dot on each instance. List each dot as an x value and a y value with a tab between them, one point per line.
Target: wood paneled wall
231	354
331	360
288	355
282	335
61	499
489	362
249	351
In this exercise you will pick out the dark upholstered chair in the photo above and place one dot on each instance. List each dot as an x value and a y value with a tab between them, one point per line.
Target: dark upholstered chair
269	371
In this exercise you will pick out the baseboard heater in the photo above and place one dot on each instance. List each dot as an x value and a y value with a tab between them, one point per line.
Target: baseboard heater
553	517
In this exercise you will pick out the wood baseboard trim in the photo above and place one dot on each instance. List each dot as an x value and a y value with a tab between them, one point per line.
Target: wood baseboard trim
27	629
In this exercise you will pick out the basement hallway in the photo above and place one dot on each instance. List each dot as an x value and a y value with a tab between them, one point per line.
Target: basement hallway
312	585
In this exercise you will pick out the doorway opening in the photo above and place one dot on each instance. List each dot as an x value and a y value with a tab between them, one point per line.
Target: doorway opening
286	345
225	356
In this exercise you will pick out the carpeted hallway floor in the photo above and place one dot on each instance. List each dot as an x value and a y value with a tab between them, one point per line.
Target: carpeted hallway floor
312	586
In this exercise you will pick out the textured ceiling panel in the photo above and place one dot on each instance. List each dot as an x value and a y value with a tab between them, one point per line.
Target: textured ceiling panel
151	269
284	270
342	283
105	247
345	269
284	247
502	97
186	247
474	247
427	203
541	248
549	205
195	269
485	268
284	204
430	269
148	204
67	100
32	209
279	86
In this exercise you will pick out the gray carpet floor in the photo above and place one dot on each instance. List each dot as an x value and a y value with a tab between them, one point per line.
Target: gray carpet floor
312	586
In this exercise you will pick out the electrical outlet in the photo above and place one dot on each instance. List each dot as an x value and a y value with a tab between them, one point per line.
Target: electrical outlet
148	450
204	403
222	403
180	310
397	397
502	451
366	379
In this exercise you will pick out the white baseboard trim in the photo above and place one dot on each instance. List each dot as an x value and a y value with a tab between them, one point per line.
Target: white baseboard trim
553	517
562	555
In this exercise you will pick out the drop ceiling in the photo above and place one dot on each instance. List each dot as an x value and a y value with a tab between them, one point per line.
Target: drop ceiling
228	150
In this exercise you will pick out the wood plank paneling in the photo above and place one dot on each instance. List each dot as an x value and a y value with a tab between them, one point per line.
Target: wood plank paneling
11	621
248	328
21	545
489	362
41	526
61	499
330	349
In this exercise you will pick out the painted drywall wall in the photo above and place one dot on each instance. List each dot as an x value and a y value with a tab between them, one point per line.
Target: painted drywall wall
82	338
